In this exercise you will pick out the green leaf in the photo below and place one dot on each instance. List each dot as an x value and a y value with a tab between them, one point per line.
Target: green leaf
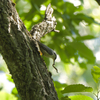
96	73
77	88
82	1
14	91
58	85
86	37
65	98
84	51
7	96
60	95
70	8
83	65
62	53
1	88
79	17
9	77
80	97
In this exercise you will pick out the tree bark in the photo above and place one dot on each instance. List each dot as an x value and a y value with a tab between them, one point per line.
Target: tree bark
24	62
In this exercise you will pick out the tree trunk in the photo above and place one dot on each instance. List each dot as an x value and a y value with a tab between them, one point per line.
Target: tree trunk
24	62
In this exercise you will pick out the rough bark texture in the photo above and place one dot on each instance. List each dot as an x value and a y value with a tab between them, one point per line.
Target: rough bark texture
28	70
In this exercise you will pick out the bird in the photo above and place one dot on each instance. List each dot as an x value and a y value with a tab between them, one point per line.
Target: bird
48	52
39	30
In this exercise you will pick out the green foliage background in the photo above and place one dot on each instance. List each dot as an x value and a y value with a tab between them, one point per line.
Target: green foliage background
75	58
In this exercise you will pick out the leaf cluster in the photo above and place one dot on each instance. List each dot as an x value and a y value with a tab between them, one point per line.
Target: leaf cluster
68	43
75	89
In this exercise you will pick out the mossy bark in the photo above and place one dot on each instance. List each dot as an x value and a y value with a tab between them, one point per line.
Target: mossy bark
24	62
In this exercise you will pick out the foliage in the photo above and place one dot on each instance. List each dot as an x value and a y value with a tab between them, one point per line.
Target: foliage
7	96
96	73
68	43
80	97
9	78
76	88
1	88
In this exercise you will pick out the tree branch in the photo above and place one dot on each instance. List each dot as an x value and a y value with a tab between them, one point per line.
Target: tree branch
46	26
24	62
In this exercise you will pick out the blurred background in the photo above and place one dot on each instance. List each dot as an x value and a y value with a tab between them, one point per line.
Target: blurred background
77	44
